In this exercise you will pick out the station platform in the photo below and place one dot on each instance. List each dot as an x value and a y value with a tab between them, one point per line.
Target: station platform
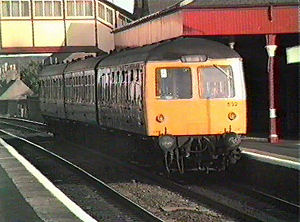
23	198
285	152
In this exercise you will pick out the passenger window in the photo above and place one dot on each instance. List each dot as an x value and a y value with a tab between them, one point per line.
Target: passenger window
173	83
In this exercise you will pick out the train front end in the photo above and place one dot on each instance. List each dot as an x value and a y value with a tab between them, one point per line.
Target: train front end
196	108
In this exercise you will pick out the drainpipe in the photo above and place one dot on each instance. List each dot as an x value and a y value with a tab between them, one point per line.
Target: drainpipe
271	49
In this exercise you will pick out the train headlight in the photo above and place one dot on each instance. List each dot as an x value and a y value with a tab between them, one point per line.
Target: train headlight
166	142
160	118
231	115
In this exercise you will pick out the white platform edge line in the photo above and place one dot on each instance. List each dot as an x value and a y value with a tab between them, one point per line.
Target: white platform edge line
73	207
24	120
269	159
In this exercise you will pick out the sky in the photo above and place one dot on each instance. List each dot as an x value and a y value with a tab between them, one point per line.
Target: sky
125	4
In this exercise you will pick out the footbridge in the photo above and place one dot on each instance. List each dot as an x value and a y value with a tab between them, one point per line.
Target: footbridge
51	26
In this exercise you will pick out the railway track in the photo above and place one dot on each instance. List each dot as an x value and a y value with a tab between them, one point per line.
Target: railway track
240	202
128	210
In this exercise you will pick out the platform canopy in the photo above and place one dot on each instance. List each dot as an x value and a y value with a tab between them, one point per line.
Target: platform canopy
211	18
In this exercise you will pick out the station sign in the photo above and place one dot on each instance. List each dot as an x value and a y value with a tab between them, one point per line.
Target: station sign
293	54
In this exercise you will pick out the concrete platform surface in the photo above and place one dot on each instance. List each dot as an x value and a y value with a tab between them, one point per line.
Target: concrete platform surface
23	198
285	153
288	148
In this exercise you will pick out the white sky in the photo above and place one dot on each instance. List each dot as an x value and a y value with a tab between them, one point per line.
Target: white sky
125	4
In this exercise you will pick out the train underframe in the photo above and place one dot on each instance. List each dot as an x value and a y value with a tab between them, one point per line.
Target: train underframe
201	153
181	153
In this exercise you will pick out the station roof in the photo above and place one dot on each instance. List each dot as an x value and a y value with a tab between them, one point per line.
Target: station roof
211	18
155	6
14	90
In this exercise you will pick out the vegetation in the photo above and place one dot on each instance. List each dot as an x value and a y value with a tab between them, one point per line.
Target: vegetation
29	75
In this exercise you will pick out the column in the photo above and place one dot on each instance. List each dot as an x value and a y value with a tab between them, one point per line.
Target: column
271	49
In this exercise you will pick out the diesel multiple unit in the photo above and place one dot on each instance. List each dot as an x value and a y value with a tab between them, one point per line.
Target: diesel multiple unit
188	94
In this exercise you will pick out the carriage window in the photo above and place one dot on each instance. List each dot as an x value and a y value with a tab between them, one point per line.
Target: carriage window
217	82
173	83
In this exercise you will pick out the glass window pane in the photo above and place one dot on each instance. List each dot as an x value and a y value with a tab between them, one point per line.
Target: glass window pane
79	8
70	8
48	8
109	16
15	9
25	8
217	82
88	8
5	8
57	8
122	20
38	8
174	83
101	11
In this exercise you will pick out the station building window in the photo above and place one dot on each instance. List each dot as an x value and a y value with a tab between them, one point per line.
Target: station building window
83	8
101	11
49	8
105	14
15	8
110	16
123	20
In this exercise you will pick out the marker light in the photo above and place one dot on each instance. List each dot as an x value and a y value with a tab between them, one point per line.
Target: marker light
160	118
193	58
231	115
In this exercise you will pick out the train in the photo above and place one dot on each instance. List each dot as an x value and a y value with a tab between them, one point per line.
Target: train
186	94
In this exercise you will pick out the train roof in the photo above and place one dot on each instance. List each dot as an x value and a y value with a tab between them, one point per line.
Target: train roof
53	70
84	64
171	50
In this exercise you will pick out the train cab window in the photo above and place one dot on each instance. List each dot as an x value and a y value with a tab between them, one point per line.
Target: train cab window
217	82
173	83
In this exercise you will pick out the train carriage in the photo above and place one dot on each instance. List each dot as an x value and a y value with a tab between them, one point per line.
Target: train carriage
80	98
188	94
52	91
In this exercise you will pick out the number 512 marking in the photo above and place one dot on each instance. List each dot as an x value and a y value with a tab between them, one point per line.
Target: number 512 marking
232	104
